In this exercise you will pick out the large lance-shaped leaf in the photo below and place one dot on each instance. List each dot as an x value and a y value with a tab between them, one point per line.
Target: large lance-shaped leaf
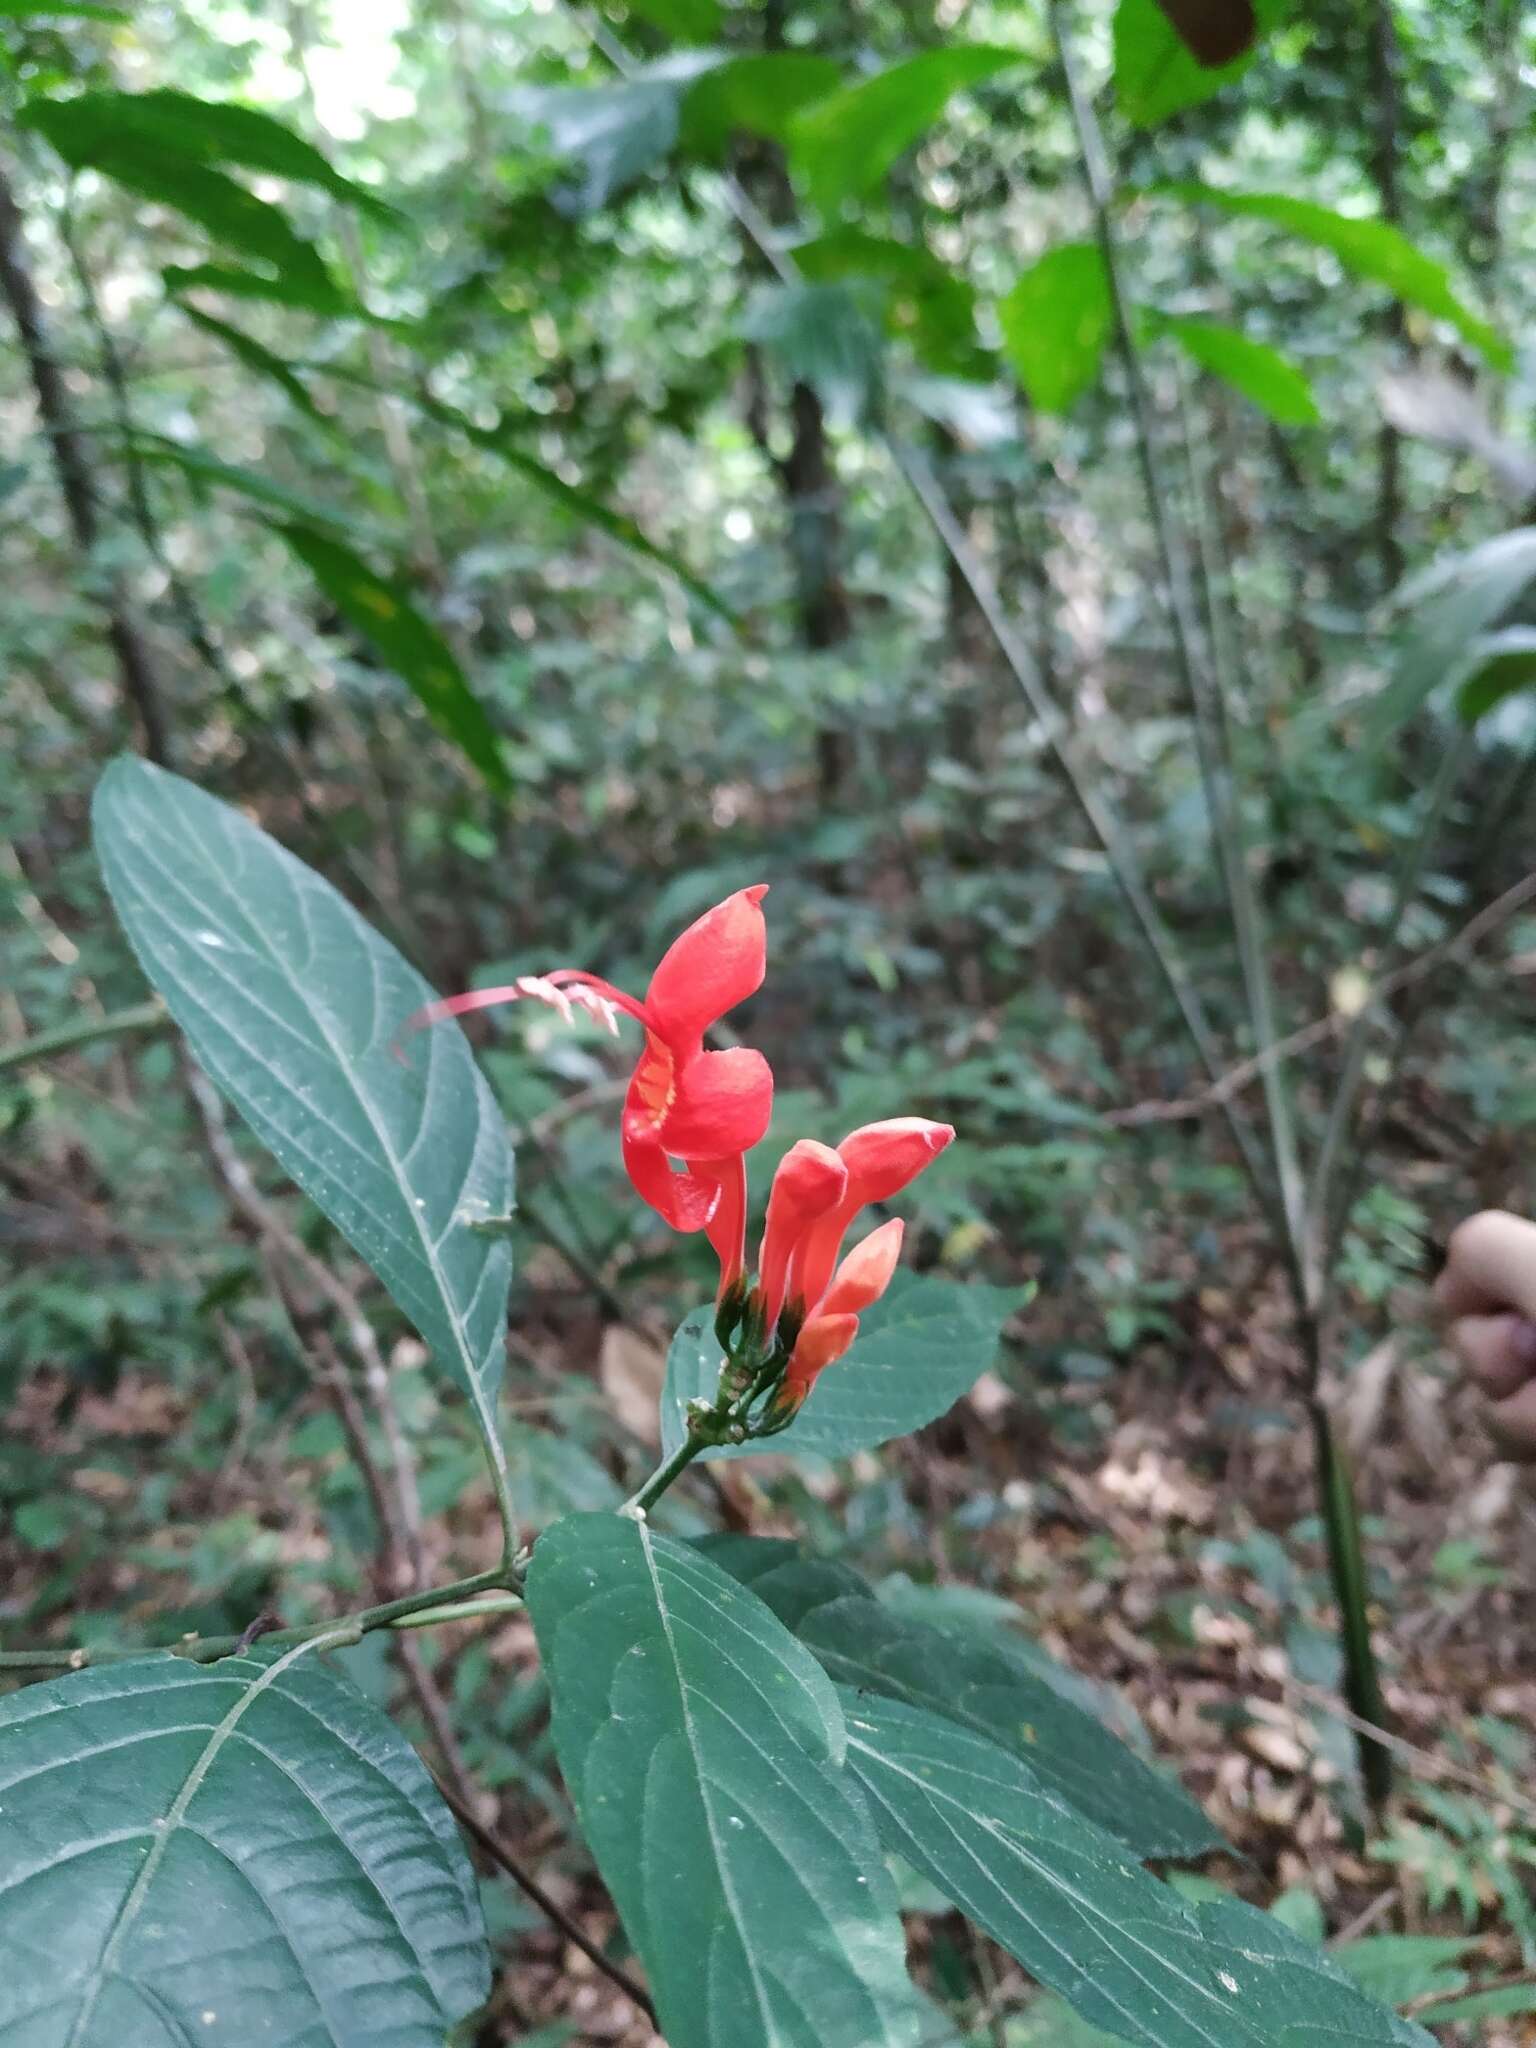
381	610
1447	611
1258	371
701	1746
225	1853
844	145
983	1686
89	128
1064	1899
918	1350
292	1004
1372	249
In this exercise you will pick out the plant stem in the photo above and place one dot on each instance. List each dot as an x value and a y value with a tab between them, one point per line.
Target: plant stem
664	1475
1207	703
151	1016
1346	1568
461	1610
207	1649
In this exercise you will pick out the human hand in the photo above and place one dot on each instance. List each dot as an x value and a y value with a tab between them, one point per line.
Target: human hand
1487	1293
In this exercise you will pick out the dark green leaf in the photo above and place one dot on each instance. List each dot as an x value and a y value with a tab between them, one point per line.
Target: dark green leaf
1157	71
825	335
843	145
760	93
992	1692
1259	372
225	1852
918	1350
701	1746
261	361
690	21
293	1005
252	227
1397	1968
616	133
1497	665
1063	1898
308	294
1370	249
381	610
926	304
203	469
93	127
1056	322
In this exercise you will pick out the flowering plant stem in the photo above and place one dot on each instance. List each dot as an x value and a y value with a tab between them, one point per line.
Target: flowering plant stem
412	1610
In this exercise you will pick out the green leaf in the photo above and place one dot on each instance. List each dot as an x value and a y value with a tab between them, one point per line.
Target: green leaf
28	10
690	21
1397	1968
293	1005
760	93
380	609
308	294
1497	665
926	304
1255	369
211	1852
1446	611
825	335
991	1690
91	128
843	145
1056	323
616	133
701	1744
1369	249
918	1350
262	362
252	227
1499	2002
1063	1898
201	468
1158	74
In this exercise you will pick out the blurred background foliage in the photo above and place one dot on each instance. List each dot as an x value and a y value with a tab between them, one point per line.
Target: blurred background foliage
497	444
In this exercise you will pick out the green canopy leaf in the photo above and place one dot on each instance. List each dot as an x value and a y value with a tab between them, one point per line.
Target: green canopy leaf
293	1005
93	128
701	1746
380	608
217	1853
1056	323
1255	369
690	21
843	145
989	1686
918	1350
1157	72
825	335
760	93
1067	1903
1369	249
613	134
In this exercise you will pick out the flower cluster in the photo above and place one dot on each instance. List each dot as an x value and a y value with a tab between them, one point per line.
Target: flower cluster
706	1110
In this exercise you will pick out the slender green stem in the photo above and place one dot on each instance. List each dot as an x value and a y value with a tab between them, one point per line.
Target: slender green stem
207	1649
1346	1566
152	1016
461	1610
664	1475
1206	703
1325	1223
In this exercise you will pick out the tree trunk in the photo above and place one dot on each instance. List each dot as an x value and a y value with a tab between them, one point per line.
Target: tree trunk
72	467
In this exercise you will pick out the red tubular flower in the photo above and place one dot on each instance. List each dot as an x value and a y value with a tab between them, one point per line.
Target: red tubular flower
703	1108
881	1160
811	1180
821	1343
